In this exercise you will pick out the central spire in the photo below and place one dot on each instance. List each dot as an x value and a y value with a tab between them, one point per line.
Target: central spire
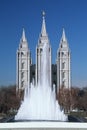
43	30
23	36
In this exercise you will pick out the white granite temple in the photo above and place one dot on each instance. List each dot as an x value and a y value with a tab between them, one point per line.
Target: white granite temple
58	73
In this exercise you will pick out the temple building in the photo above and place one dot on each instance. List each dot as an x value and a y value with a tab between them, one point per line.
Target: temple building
58	73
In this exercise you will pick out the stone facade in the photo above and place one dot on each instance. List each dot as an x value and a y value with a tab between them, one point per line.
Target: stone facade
58	74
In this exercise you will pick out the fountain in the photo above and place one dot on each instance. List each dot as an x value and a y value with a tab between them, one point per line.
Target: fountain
40	101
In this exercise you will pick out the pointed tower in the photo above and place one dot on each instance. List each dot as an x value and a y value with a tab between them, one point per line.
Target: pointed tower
63	63
23	64
43	38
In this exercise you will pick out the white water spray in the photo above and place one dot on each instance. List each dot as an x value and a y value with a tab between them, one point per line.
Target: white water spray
40	101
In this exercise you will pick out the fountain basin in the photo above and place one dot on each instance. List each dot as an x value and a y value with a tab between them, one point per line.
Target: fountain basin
70	119
72	123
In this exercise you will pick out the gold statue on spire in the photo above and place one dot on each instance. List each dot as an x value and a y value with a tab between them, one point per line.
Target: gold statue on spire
43	13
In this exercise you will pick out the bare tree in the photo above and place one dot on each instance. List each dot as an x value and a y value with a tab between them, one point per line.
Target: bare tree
8	99
64	98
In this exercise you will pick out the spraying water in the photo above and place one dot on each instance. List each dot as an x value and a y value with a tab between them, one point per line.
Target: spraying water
40	101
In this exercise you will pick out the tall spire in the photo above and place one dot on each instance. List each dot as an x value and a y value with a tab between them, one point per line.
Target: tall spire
63	35
63	40
23	36
43	30
23	40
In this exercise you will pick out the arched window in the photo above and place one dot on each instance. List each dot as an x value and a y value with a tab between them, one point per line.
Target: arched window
21	46
22	53
41	50
62	53
18	54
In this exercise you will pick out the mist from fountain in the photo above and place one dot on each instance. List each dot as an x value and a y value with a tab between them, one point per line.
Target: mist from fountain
40	101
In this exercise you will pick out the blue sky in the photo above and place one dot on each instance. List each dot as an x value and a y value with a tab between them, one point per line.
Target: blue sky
18	14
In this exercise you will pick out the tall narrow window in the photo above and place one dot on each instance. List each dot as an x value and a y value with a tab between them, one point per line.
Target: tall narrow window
22	65
22	84
22	75
63	65
41	50
37	50
63	83
63	75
